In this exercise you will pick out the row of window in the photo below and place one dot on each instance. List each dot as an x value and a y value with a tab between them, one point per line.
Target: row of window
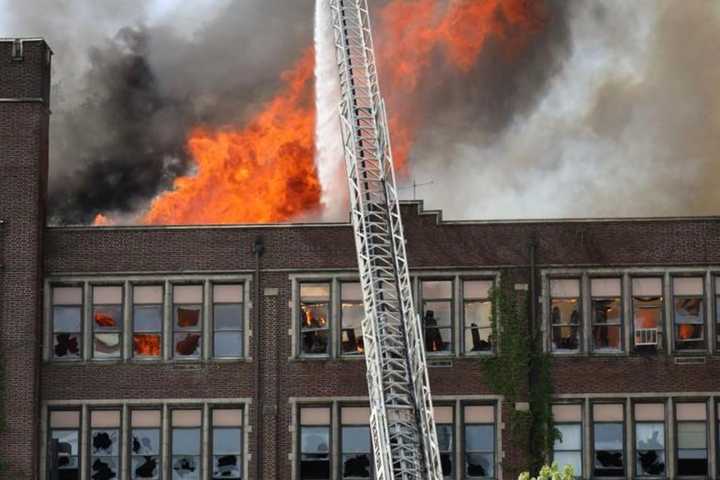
107	442
317	313
146	321
646	454
687	309
349	436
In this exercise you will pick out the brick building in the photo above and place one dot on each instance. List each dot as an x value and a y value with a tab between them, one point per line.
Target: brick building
235	351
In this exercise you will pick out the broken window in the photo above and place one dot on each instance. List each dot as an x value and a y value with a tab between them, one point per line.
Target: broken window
647	311
479	446
228	323
688	293
606	314
567	447
717	313
186	444
64	445
314	443
351	316
107	314
445	427
67	306
314	318
692	441
608	440
355	449
477	310
650	439
147	321
145	451
437	307
565	316
104	444
227	443
187	313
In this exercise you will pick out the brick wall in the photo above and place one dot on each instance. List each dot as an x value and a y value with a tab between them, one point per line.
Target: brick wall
24	112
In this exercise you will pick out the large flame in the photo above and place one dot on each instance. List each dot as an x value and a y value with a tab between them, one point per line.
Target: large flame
264	172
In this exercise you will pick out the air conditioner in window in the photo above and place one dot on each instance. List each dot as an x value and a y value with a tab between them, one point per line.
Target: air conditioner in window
646	337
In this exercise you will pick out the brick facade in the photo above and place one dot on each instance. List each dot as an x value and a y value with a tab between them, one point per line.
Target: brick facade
34	255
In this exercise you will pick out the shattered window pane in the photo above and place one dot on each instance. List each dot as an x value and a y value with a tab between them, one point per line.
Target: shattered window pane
227	453
107	328
478	328
437	315
445	442
479	450
650	449
608	451
105	454
689	323
64	448
314	453
187	345
146	345
188	331
145	454
186	454
314	318
67	332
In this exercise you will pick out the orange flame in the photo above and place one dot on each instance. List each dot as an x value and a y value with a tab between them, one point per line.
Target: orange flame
103	319
265	171
147	345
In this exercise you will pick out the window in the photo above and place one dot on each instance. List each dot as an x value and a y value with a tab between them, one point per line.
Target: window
606	317
107	314
67	322
445	427
227	441
105	444
479	446
64	445
185	444
692	451
689	318
717	313
355	447
477	310
647	311
565	316
187	311
608	440
650	440
437	307
314	443
352	312
228	325
145	450
314	318
567	449
147	321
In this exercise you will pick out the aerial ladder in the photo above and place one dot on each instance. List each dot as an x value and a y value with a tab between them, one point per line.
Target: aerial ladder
402	427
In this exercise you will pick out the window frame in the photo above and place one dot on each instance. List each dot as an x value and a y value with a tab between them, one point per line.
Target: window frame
580	309
211	443
243	321
676	435
634	444
80	335
132	355
463	316
661	334
453	452
452	300
298	320
177	330
593	324
298	440
120	438
703	311
171	428
464	450
582	446
161	437
340	317
120	332
341	453
593	449
49	436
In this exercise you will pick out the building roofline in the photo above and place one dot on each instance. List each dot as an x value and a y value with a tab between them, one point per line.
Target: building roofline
420	211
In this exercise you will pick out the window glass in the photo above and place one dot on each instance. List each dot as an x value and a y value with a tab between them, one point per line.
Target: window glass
567	449
479	451
650	449
689	318
64	445
314	318
107	314
228	337
608	450
565	316
351	314
437	303
356	456
647	311
227	444
105	444
145	451
187	313
147	321
692	455
315	452
477	311
445	442
606	314
67	323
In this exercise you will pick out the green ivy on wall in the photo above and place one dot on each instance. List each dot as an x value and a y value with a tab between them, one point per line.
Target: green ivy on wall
519	362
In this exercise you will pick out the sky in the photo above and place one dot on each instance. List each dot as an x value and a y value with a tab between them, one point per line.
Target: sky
625	123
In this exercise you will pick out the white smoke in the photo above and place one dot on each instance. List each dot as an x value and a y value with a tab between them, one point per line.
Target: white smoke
328	137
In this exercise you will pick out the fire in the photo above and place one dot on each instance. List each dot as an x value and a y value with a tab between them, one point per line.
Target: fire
147	345
264	172
103	319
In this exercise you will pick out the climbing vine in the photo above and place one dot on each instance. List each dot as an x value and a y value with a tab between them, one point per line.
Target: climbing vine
520	370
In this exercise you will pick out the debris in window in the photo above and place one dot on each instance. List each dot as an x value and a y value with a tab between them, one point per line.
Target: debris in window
188	317
66	344
189	345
